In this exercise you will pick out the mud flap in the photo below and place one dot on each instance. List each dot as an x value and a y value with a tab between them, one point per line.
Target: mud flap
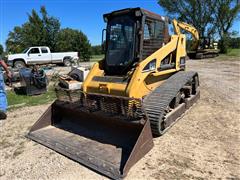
103	143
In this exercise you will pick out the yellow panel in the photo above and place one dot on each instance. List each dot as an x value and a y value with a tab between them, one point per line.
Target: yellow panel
136	86
141	82
107	88
154	81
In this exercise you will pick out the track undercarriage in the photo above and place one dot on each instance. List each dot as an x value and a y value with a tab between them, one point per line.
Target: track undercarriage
169	101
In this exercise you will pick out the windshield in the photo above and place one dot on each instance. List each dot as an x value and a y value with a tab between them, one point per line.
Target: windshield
120	39
25	50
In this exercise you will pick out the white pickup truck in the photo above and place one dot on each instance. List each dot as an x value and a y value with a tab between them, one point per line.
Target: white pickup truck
41	55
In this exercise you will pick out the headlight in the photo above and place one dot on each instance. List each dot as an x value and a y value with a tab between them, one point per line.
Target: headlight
151	66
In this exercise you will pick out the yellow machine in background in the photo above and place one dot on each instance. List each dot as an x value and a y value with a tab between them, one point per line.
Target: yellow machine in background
136	92
203	47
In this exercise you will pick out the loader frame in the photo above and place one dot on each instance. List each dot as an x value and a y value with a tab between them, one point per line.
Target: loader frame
150	70
122	104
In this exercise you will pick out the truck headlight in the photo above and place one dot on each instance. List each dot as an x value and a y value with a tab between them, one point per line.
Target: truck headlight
151	66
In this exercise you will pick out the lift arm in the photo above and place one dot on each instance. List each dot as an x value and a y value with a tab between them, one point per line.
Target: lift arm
192	30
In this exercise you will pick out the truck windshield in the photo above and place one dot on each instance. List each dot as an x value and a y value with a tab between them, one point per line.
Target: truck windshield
25	50
120	41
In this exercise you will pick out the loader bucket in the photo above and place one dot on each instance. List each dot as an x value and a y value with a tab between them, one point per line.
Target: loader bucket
104	142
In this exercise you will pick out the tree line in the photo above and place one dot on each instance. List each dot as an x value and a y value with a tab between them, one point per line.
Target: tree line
45	30
1	49
212	18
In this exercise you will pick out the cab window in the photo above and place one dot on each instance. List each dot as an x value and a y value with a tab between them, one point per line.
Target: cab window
44	50
153	37
34	51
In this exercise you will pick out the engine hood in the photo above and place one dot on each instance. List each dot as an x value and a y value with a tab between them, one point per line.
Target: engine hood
16	56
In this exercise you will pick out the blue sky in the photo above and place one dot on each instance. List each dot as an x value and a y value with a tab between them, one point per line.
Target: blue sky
85	15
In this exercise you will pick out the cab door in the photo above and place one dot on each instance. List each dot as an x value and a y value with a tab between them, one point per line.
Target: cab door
46	55
34	56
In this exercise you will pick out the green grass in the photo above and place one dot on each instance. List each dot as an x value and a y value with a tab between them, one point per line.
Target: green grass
232	55
96	58
234	52
16	101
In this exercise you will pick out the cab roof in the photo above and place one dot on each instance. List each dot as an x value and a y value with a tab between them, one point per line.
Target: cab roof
141	11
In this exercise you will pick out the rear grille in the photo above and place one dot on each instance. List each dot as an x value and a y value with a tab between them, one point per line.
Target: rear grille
128	108
66	95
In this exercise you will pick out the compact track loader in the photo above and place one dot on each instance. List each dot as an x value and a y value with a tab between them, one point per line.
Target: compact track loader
137	91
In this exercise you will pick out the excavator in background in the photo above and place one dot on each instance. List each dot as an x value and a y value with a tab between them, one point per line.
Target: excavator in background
202	47
139	90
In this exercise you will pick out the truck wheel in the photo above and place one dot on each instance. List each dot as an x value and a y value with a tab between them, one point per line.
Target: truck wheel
67	62
19	64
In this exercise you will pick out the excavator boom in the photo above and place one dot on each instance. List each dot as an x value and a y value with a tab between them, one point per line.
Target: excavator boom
189	28
202	47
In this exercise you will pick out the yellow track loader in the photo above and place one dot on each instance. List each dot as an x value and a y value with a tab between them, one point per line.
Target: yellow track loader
139	90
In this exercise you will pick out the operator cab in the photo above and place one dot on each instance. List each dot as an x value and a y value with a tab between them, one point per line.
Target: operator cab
131	36
207	43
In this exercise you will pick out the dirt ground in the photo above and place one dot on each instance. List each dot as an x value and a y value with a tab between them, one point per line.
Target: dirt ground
204	144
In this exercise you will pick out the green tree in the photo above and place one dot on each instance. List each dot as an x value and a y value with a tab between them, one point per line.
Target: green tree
210	17
36	31
74	40
15	42
234	43
195	12
97	50
1	49
225	12
45	30
52	27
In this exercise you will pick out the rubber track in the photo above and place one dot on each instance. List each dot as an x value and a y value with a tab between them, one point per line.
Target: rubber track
156	103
